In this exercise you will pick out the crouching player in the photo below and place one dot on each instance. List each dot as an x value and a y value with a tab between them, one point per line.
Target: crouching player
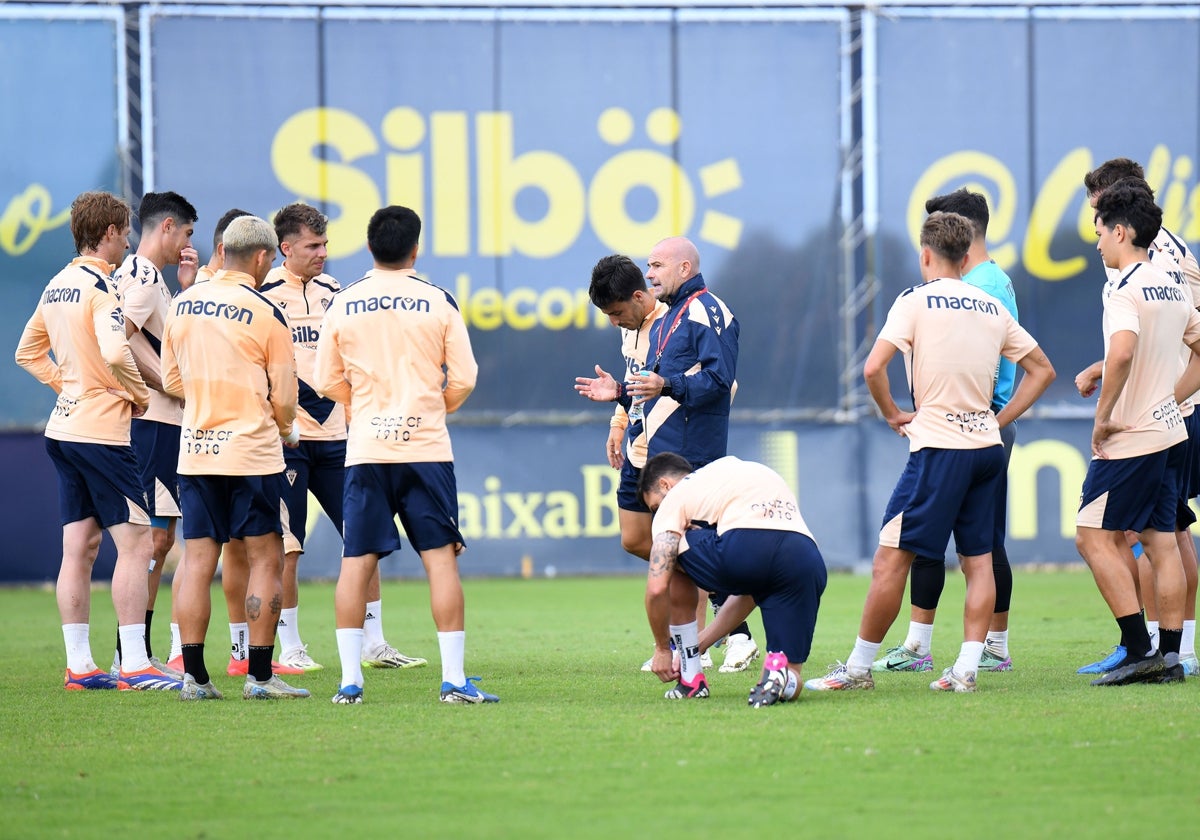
731	526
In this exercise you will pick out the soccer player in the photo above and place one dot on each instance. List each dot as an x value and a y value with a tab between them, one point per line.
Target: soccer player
1166	248
235	571
395	350
928	575
686	386
619	290
754	545
168	221
228	354
1139	441
92	371
302	290
951	334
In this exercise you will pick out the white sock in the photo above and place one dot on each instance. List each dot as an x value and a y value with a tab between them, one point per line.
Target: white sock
452	646
79	648
860	659
1152	629
792	689
133	647
176	644
687	645
373	626
997	643
239	638
920	638
968	658
288	629
350	642
1187	645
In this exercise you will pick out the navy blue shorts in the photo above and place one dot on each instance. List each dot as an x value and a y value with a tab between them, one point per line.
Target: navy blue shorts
319	467
945	491
627	494
1133	494
783	572
156	446
224	507
1191	470
424	496
98	481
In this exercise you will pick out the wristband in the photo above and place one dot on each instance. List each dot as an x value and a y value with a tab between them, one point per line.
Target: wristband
293	439
666	391
620	391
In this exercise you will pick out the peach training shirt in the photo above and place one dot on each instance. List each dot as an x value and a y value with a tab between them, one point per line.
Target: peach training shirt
227	353
395	348
304	305
730	493
145	299
79	318
952	335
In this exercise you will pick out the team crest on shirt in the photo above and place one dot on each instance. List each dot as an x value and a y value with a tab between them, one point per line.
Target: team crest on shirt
282	304
325	303
291	477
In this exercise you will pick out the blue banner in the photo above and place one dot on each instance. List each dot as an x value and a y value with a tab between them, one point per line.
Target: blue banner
60	134
527	165
1014	104
542	499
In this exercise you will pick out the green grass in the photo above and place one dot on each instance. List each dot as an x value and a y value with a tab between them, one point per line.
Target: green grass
584	745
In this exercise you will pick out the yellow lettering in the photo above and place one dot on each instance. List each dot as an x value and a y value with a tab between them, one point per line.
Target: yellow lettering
600	501
404	130
491	508
524	510
1027	462
1173	198
29	210
960	170
676	201
562	517
513	316
502	176
554	309
451	185
487	309
298	166
1064	184
470	515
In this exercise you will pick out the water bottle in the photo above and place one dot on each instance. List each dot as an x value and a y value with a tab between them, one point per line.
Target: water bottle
636	414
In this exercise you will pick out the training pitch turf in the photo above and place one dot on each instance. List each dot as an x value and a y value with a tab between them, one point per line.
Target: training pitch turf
583	743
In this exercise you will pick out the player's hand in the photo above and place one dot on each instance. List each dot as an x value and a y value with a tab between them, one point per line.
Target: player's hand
646	385
1086	382
459	548
899	422
138	410
664	664
292	440
601	389
612	447
1101	432
189	264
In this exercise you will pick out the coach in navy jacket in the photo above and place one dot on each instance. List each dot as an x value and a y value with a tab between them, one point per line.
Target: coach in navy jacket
692	360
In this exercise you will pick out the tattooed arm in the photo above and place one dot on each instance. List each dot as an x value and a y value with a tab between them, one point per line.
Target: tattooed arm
663	554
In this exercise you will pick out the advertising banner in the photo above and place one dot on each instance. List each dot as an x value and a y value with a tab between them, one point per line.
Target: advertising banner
1020	105
541	500
532	144
62	77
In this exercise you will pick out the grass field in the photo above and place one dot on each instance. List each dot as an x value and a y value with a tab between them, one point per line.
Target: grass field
584	745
